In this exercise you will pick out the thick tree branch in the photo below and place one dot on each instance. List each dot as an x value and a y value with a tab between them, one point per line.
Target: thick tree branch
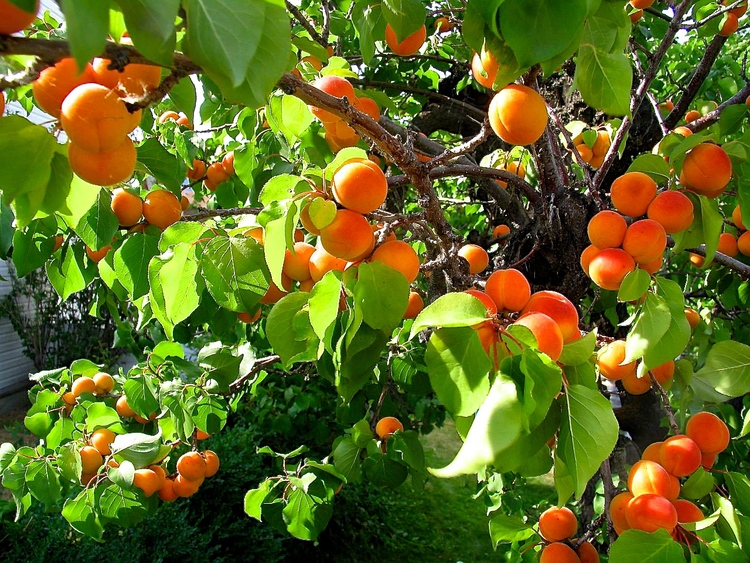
209	213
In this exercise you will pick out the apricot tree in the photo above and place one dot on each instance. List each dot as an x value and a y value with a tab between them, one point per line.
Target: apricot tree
407	202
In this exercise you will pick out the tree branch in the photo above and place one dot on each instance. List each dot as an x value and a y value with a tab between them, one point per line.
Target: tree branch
713	116
300	17
209	213
464	148
258	365
452	62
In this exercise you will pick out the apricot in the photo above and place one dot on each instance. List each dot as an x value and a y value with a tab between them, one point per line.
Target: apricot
212	463
162	208
322	262
687	511
360	185
509	289
91	459
147	480
335	86
587	553
559	308
708	431
652	267
443	25
728	245
274	293
645	241
127	207
650	513
83	384
708	460
336	144
557	524
476	256
297	263
684	131
737	218
731	23
56	82
400	256
134	81
602	143
227	163
103	168
739	11
518	115
607	229
166	492
247	318
651	452
617	511
369	107
500	231
514	167
587	255
648	477
743	243
632	193
706	170
348	237
97	256
101	439
641	4
609	361
484	68
609	267
216	174
409	45
414	306
123	408
191	466
585	152
104	383
693	318
548	336
558	553
672	210
387	425
197	171
486	300
663	373
13	19
692	115
636	385
184	488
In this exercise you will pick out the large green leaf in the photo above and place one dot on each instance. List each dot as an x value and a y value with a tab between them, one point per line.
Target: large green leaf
173	285
588	434
162	164
131	262
458	369
26	152
33	245
99	224
677	336
649	327
80	514
291	115
383	294
324	306
452	309
497	425
634	545
151	26
305	519
71	272
289	331
86	26
727	368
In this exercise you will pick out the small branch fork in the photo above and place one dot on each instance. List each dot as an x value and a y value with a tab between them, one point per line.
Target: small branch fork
258	365
713	116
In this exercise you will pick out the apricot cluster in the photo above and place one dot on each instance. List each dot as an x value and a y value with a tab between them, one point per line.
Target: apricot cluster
557	526
338	133
610	360
89	104
192	468
593	153
215	173
743	240
652	501
617	248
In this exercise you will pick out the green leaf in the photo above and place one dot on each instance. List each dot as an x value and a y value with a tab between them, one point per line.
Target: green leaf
739	490
657	547
235	273
653	165
125	507
79	513
678	333
86	26
731	119
367	19
458	369
305	519
162	164
635	284
698	485
140	449
141	394
43	481
254	499
407	448
530	455
33	245
579	351
588	434
382	294
540	30
727	368
281	187
346	459
99	224
6	227
184	97
363	353
71	273
650	325
713	225
505	529
286	328
173	286
210	412
26	152
132	260
291	115
151	25
404	16
221	366
541	384
324	306
383	471
497	425
450	310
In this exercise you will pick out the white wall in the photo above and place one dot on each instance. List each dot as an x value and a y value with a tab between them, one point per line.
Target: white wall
15	367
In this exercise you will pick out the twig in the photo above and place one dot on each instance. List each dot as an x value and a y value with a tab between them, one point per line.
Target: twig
665	403
259	364
576	155
209	213
609	493
426	56
463	148
300	17
713	116
326	21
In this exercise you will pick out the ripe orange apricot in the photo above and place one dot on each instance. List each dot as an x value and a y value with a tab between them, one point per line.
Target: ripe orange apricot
103	168
641	4
101	439
191	466
476	256
706	170
509	289
96	119
501	231
399	256
212	463
559	308
708	460
680	455
730	25
558	553
609	267
275	293
651	452
160	473
13	19
245	317
216	173
486	300
602	143
636	385
557	524
652	267
97	256
227	163
617	511
297	263
739	11
104	383
587	553
135	80
632	193
322	262
387	425
648	477
737	218
663	373
518	115
609	361
147	480
687	511
69	398
708	431
335	86
514	167
743	243
692	115
56	82
645	241
484	68
409	45
167	492
673	210
360	185
348	237
414	306
162	208
587	255
548	336
123	408
586	153
369	107
693	318
83	384
91	459
168	115
728	245
184	488
197	171
607	229
127	207
443	25
651	512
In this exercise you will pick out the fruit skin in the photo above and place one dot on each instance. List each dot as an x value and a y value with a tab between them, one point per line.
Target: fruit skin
414	306
548	336
680	455
645	241
56	82
13	19
708	431
91	459
500	231
476	256
103	168
609	361
730	25
191	466
387	425
557	524
146	480
509	289
101	439
632	193
706	170
127	207
648	477
162	208
247	318
587	553
609	267
728	245
334	86
687	511
607	229
743	243
672	210
399	256
135	80
184	488
558	553
518	115
167	492
212	463
297	263
559	308
123	408
97	256
322	262
348	237
104	383
360	185
83	385
636	385
484	63
409	45
617	511
651	512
